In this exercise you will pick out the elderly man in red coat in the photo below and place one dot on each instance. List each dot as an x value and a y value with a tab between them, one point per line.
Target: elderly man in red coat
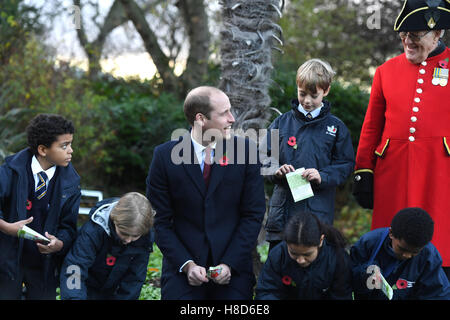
403	157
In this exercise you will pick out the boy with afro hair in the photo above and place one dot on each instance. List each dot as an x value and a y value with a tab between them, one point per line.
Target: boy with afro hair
38	188
404	256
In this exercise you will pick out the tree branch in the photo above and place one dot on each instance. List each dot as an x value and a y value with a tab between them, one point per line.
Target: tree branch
161	61
196	23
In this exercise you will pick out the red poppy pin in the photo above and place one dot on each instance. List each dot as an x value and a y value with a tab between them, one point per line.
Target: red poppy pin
292	141
288	281
29	205
403	284
223	161
110	260
444	63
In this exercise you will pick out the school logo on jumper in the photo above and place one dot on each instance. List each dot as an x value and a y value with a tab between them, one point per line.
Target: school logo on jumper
331	130
403	284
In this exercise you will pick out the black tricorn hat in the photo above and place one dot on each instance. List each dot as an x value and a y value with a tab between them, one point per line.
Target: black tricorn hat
421	15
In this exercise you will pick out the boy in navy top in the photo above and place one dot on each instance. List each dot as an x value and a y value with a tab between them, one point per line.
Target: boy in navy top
38	188
310	137
109	258
404	256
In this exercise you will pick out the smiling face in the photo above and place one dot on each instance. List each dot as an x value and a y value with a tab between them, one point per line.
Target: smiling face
220	118
418	46
59	153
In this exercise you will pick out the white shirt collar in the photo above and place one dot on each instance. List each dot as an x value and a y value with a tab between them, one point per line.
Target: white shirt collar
199	148
36	168
315	113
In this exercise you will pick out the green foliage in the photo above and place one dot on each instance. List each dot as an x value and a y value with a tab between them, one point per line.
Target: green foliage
9	139
327	30
353	221
17	21
263	251
151	289
117	123
136	121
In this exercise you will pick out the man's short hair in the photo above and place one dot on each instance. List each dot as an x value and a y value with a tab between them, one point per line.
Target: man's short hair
198	101
44	129
414	226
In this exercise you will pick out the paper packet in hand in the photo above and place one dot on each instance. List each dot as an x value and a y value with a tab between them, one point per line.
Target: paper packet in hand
300	187
30	234
213	272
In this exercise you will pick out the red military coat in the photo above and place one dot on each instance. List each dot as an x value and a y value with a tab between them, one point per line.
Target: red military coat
405	141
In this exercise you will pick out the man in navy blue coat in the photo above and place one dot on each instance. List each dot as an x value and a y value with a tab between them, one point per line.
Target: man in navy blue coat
208	194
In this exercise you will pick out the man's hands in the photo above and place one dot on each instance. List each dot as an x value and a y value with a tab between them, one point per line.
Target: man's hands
225	276
197	275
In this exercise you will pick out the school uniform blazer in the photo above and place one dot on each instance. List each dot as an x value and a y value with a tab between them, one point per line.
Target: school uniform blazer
62	215
193	221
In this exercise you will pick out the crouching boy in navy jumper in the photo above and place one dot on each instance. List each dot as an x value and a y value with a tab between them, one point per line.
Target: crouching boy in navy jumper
110	255
310	137
405	257
39	188
310	264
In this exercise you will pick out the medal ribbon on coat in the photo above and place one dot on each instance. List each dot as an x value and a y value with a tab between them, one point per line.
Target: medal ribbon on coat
440	75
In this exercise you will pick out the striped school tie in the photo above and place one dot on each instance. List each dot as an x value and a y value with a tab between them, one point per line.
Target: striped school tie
309	116
41	189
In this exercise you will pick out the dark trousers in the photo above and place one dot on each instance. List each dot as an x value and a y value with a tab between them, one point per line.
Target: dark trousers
35	286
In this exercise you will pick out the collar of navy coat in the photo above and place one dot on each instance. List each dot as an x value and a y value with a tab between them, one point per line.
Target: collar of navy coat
193	169
68	181
326	109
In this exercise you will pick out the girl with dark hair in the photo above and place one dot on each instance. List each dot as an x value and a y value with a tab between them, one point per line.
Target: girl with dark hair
310	264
